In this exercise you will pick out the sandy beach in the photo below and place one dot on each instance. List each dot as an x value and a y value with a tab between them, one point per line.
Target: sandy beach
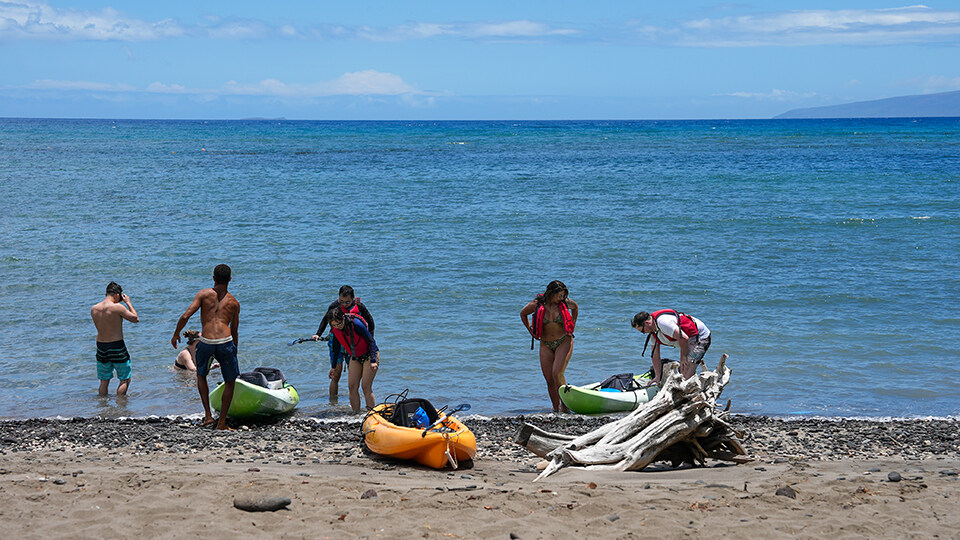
157	477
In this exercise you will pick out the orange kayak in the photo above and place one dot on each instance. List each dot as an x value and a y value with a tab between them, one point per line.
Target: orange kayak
446	442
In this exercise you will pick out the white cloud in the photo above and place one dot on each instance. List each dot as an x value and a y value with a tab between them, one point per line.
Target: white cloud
520	29
49	84
26	19
773	95
160	88
37	20
369	82
911	24
938	83
358	83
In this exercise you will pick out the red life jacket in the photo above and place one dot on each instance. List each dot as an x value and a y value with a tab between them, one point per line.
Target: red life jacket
687	325
354	309
349	339
568	324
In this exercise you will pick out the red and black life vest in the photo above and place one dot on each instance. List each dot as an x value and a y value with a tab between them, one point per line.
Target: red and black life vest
349	339
687	325
568	324
354	309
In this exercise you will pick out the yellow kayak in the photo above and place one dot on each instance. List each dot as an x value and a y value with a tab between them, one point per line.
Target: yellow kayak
444	440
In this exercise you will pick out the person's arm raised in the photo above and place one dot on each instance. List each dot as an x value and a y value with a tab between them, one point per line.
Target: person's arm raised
127	311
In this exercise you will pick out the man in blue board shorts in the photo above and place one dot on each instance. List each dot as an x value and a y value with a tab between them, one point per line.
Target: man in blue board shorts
112	355
219	319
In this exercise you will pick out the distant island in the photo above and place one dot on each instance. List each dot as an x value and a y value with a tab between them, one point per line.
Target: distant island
926	105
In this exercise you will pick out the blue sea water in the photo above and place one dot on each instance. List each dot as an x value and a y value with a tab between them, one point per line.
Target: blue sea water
823	254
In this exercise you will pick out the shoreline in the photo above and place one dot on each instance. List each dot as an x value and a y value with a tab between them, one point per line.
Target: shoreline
862	438
170	478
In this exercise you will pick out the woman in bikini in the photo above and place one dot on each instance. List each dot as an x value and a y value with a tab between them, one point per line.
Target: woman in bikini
353	337
187	359
554	319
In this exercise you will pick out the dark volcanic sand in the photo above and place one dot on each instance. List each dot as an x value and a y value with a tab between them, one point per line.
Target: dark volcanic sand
301	440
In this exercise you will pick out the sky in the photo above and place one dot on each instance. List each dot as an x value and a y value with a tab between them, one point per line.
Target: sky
487	60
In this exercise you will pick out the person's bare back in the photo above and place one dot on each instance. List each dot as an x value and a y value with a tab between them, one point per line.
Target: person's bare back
112	354
219	311
108	316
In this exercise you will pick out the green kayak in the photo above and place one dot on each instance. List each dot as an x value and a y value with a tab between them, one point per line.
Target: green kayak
593	399
261	392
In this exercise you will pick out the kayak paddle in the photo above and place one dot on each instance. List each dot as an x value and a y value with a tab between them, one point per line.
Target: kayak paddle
301	340
458	408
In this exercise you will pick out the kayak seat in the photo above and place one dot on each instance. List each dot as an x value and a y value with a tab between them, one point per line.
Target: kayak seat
274	376
404	411
255	378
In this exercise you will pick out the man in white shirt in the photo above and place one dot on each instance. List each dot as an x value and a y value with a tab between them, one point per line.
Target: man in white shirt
675	329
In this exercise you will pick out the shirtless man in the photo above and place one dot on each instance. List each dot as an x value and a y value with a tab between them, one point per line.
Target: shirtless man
219	319
112	354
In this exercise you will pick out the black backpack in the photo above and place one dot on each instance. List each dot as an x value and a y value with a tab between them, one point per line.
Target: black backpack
404	410
623	382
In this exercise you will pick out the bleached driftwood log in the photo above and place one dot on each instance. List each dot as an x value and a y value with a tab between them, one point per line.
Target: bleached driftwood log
681	424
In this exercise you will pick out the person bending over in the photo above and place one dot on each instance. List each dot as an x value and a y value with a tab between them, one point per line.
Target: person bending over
347	303
352	336
674	329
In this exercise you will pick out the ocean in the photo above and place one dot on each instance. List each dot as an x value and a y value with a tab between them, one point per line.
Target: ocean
824	255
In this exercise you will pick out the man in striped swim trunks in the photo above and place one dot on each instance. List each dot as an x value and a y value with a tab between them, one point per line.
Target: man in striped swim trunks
112	355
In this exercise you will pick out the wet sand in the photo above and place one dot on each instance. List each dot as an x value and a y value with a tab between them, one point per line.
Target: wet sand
169	478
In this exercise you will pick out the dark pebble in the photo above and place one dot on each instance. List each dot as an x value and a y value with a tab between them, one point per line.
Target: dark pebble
514	536
260	503
369	494
253	469
787	491
612	517
894	477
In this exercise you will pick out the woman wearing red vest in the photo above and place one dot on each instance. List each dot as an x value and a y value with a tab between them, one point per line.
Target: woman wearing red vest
347	303
352	335
674	329
554	319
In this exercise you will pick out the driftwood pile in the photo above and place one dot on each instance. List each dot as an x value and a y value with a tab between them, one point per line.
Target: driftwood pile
681	424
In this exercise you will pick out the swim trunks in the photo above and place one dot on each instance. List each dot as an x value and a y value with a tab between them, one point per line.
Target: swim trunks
224	351
697	348
112	356
337	354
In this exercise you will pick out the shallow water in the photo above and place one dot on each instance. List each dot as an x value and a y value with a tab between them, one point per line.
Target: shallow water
823	255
